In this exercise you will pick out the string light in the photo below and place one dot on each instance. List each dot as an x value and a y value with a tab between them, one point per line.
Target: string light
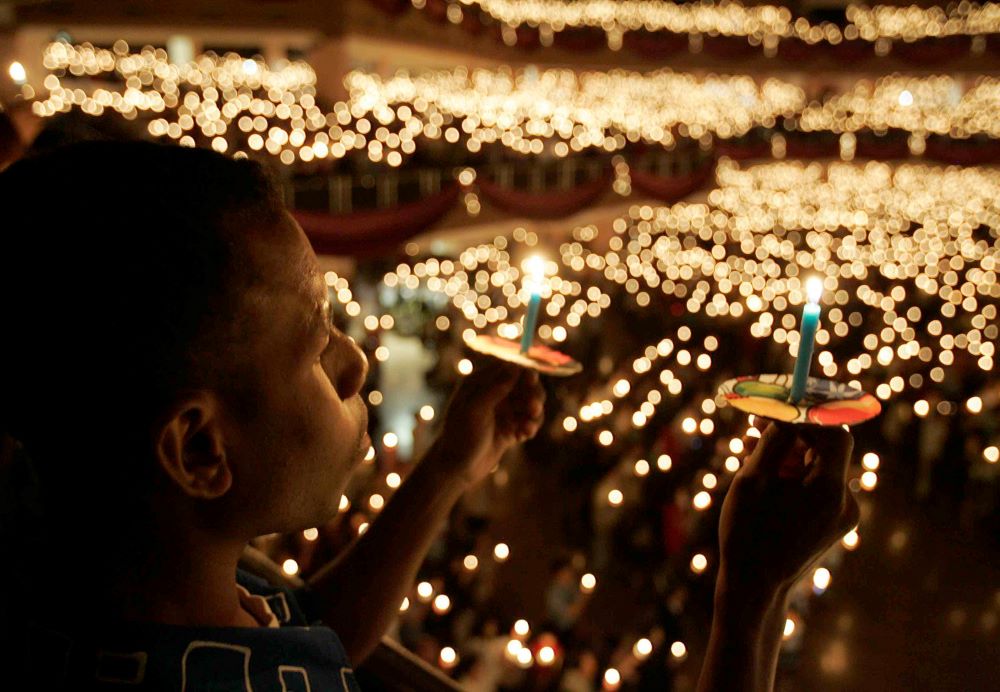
758	23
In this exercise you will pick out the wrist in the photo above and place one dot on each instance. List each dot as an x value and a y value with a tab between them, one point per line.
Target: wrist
741	595
443	466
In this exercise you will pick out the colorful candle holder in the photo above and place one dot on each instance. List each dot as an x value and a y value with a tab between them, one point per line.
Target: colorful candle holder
539	357
824	402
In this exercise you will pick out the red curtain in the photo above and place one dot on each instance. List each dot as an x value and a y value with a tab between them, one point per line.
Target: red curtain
817	146
742	150
870	146
655	45
373	232
672	188
553	204
969	152
932	51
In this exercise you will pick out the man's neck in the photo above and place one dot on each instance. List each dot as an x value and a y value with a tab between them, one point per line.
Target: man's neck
176	580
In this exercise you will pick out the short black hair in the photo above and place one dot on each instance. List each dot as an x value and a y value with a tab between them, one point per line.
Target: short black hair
122	266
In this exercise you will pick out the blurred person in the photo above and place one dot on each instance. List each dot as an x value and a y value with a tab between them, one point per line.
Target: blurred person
564	600
582	675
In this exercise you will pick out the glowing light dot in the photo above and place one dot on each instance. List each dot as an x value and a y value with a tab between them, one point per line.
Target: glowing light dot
664	462
698	563
991	454
17	72
905	98
311	534
390	440
427	413
641	468
642	648
405	605
546	655
605	437
465	366
689	425
821	579
612	678
850	539
702	500
869	479
448	657
974	404
588	582
789	628
678	650
442	604
522	628
424	591
345	503
870	461
501	551
393	480
921	407
615	497
736	445
290	567
569	424
471	562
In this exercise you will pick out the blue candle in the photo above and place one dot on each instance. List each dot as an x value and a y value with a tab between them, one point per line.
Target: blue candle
536	269
807	339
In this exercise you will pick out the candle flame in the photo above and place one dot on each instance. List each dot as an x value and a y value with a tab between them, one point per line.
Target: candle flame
814	289
535	268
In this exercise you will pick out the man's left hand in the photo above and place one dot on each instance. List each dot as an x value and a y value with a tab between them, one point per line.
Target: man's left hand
494	408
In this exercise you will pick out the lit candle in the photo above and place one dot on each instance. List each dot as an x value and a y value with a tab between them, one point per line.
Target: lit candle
536	275
807	338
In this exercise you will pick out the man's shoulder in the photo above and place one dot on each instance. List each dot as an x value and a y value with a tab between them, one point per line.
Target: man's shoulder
286	604
296	655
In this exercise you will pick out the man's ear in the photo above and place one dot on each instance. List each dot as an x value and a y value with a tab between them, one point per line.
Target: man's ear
190	448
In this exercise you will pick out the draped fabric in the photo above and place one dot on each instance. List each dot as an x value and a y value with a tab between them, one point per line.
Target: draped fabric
964	152
741	150
551	204
932	51
817	146
655	45
373	232
887	148
672	188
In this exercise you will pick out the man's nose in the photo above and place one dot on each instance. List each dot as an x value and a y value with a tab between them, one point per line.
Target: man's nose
351	366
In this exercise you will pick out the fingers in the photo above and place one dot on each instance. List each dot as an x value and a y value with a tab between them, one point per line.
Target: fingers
527	405
832	447
493	381
775	443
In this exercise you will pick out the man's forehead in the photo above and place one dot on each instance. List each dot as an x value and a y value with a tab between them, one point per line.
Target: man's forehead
291	275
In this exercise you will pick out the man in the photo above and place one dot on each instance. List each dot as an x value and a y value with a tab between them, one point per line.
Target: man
170	366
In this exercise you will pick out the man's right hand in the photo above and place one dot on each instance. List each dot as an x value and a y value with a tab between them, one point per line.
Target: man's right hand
787	505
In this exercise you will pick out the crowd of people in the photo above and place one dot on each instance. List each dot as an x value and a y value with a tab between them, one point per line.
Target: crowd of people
627	520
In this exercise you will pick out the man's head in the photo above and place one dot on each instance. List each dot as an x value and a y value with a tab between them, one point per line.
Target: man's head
167	343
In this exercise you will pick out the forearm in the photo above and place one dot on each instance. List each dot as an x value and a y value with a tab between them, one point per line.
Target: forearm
360	592
770	640
733	660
